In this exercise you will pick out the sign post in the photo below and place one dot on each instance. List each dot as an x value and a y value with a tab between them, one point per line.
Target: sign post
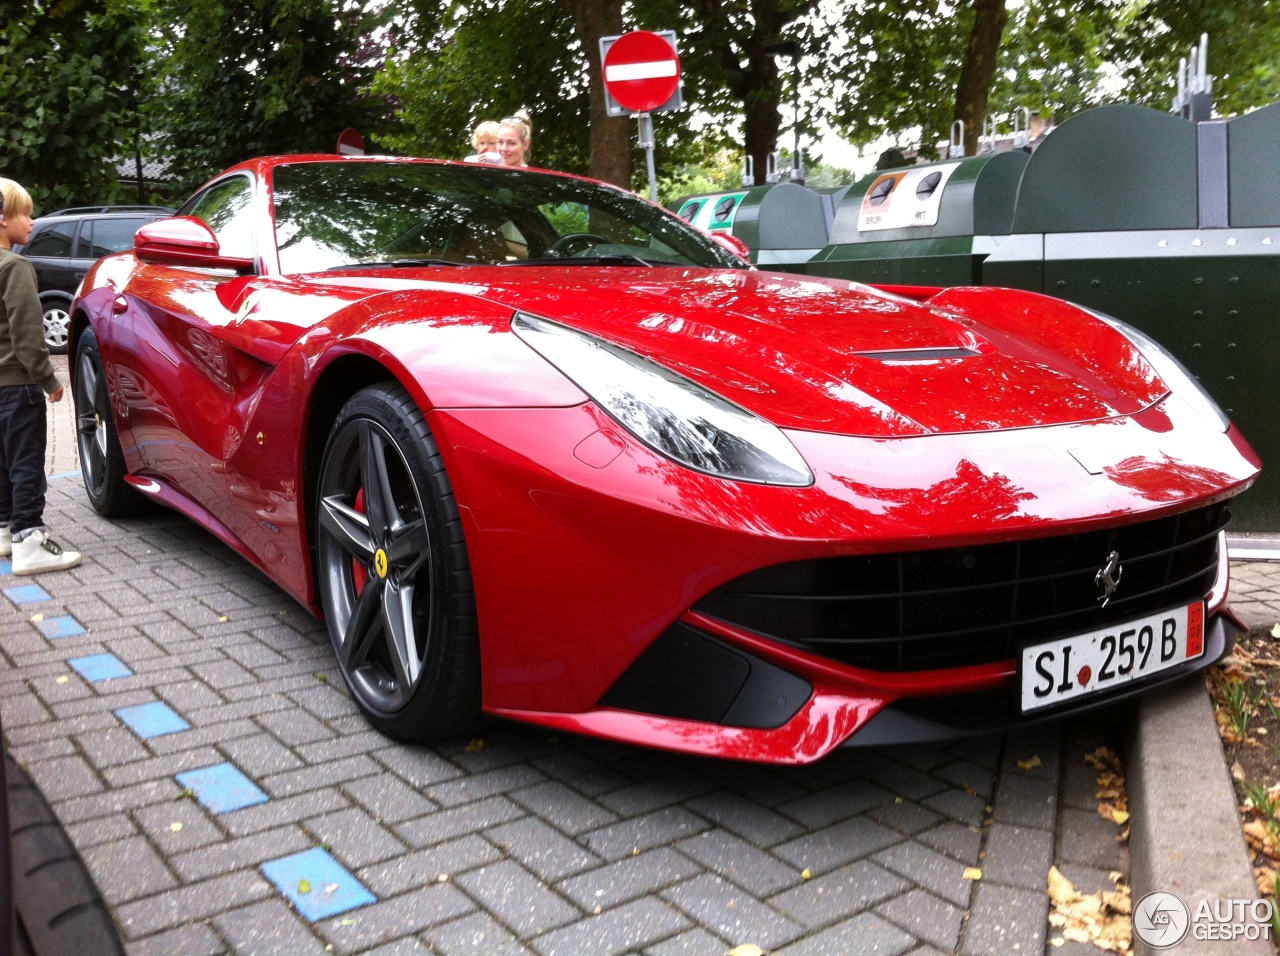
641	77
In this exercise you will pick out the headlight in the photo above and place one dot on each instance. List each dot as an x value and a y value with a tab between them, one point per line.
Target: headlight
671	414
1172	372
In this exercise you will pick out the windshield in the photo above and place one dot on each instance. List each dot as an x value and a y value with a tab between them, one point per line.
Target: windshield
341	215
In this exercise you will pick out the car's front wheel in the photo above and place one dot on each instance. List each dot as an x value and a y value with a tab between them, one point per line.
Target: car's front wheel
394	577
57	325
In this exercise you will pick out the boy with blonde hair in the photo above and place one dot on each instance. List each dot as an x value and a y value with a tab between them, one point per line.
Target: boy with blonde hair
26	376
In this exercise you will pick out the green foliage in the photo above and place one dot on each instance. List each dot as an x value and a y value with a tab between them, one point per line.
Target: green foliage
721	171
245	78
893	66
895	72
63	86
718	172
1244	49
1052	59
490	59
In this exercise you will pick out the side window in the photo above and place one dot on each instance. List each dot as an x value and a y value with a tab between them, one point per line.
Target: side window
102	237
227	209
54	242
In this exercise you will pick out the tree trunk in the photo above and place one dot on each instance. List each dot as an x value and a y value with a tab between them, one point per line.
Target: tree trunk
761	115
610	136
979	69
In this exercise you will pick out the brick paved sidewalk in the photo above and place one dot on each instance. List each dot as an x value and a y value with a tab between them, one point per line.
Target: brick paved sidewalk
166	654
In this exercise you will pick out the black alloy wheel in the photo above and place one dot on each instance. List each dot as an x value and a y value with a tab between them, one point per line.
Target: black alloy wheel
101	458
394	578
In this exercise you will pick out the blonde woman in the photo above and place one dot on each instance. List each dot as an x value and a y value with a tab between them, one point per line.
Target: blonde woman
515	137
484	140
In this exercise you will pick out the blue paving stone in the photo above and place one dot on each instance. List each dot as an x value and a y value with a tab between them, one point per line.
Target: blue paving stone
64	625
152	720
222	788
332	889
27	594
6	567
98	667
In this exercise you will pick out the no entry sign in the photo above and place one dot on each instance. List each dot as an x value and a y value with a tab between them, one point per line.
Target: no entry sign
641	71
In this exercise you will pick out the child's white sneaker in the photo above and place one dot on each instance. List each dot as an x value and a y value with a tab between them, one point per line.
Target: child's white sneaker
6	541
37	553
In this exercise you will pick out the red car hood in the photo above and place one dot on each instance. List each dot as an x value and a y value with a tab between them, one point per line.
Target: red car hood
833	356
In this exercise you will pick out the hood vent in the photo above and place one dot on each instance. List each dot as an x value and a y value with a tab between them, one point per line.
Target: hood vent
898	356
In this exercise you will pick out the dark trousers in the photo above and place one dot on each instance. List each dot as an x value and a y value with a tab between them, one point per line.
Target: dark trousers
22	444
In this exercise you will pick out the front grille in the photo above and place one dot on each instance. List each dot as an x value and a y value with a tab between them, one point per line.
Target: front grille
923	610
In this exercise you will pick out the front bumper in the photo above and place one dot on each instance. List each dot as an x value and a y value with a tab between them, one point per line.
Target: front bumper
585	547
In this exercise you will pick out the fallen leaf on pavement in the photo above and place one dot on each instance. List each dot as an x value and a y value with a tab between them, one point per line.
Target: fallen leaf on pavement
972	873
473	746
1030	763
746	949
1266	877
1100	918
304	887
1258	835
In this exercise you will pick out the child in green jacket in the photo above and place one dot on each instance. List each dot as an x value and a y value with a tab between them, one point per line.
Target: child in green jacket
26	376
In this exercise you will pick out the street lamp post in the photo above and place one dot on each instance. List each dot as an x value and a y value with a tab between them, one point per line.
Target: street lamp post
790	48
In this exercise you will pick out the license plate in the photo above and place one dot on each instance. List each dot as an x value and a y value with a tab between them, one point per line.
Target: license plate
1071	667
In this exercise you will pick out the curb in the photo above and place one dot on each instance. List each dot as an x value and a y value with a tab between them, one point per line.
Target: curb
1186	835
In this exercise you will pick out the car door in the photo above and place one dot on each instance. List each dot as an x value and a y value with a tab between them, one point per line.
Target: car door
50	252
184	389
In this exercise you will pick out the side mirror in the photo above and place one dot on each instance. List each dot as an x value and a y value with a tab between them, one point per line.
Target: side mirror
733	244
184	241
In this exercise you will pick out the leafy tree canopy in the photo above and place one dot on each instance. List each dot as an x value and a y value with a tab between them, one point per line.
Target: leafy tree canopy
64	105
1244	49
489	59
244	78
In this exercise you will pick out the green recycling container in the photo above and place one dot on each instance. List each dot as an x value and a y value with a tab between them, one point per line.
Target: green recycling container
923	225
784	224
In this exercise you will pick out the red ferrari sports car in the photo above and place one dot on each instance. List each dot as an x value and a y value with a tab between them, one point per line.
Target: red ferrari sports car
535	447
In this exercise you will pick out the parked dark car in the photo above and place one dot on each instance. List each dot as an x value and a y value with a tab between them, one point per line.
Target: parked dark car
65	243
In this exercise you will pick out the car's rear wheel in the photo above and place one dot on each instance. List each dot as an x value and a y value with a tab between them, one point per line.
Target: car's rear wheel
101	457
57	325
395	581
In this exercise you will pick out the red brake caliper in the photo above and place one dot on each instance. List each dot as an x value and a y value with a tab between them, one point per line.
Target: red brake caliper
358	573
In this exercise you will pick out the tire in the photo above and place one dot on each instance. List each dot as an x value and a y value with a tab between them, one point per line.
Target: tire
57	325
58	909
101	457
394	577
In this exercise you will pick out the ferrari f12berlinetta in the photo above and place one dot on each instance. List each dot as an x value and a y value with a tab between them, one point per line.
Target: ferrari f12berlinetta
535	447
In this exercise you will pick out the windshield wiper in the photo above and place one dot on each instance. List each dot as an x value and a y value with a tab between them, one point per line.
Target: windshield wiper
397	264
605	260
